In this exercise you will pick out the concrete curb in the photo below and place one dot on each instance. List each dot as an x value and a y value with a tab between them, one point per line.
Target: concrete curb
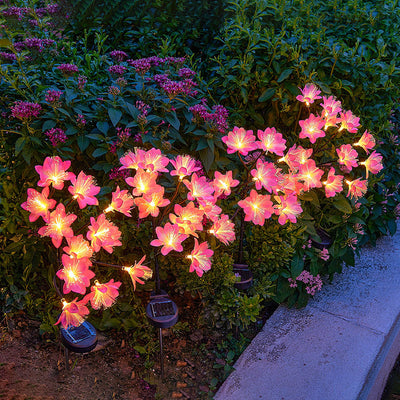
342	346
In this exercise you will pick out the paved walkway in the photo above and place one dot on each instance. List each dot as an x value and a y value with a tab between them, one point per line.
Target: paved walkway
342	346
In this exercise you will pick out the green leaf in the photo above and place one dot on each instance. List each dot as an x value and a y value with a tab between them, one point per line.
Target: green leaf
392	226
19	145
267	94
173	120
342	204
285	74
207	158
297	266
83	143
49	124
132	110
5	43
103	126
99	152
115	115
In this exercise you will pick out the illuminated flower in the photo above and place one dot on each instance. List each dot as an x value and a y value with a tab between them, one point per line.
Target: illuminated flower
76	274
309	94
54	172
296	156
330	120
184	166
312	128
38	204
103	234
103	294
333	184
331	106
169	238
211	210
58	225
83	190
150	203
139	271
73	313
271	141
257	207
311	175
131	160
349	122
78	247
265	175
367	142
143	182
155	161
199	188
373	163
240	140
288	208
189	219
223	229
200	257
223	183
357	188
289	183
347	156
121	201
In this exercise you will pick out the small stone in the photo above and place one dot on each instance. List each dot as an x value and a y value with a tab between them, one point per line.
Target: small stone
123	343
133	375
176	395
181	385
181	363
184	375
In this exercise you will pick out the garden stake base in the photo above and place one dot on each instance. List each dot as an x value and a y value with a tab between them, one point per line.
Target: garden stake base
246	276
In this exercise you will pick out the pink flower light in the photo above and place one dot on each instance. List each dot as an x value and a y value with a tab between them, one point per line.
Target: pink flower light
271	141
54	172
169	238
132	160
78	247
367	142
265	176
333	184
73	313
257	207
38	204
139	271
288	208
331	106
347	156
200	257
149	204
76	274
103	234
357	188
199	188
309	94
154	161
58	225
349	122
240	140
144	182
189	219
373	163
223	183
223	229
103	295
121	201
184	166
310	175
312	128
83	190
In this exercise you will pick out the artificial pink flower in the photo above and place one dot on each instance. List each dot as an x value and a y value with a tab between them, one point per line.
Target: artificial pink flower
169	238
240	140
58	225
189	219
121	201
154	161
211	210
265	176
38	204
309	94
330	120
357	188
311	175
349	122
257	207
200	257
347	156
223	183
373	163
296	156
199	188
103	294
78	247
76	274
289	183
83	190
144	183
312	128
132	160
139	271
184	166
103	234
54	172
271	141
367	142
331	106
223	229
288	208
73	313
149	204
333	184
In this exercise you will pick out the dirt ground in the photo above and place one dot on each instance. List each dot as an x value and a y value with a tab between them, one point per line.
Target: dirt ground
34	369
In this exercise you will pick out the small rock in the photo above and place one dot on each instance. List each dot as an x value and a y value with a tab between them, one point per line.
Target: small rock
184	375
181	385
123	343
181	363
133	375
176	395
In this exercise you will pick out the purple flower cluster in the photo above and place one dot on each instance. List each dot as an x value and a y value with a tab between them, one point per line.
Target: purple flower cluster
114	91
142	107
34	44
56	136
122	136
7	56
82	80
217	118
68	69
53	96
142	65
81	121
174	88
25	110
18	12
313	283
186	73
118	55
117	69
